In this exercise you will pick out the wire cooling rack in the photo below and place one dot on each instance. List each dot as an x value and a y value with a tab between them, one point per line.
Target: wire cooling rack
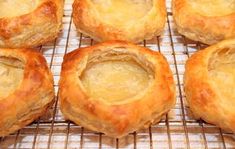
176	130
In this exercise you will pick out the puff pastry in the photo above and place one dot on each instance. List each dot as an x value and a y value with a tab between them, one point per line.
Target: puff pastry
115	87
128	20
29	23
207	21
26	88
210	84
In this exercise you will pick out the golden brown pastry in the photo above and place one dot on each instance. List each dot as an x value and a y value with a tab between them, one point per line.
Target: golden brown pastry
210	84
26	88
115	87
207	21
129	20
29	23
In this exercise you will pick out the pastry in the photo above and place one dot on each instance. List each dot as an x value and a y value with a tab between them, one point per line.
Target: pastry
128	20
207	21
115	87
210	84
26	88
29	23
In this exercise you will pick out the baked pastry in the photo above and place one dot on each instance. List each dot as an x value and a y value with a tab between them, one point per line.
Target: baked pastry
115	87
26	88
128	20
207	21
210	84
29	23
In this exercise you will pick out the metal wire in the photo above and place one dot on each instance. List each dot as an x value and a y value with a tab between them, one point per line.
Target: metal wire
200	122
222	138
178	80
100	140
67	136
151	138
166	121
177	130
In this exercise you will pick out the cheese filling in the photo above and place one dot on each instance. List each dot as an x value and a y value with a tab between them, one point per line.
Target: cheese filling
115	80
213	7
222	71
10	76
120	12
12	8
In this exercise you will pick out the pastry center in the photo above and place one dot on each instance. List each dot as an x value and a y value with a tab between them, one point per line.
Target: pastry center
10	76
115	80
120	12
223	73
213	7
12	8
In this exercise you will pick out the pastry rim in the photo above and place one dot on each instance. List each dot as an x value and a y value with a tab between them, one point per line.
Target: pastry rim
46	19
203	98
93	26
198	27
35	91
73	100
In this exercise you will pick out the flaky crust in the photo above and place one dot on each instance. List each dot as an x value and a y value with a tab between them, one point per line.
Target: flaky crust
199	27
32	97
119	119
32	29
204	97
89	22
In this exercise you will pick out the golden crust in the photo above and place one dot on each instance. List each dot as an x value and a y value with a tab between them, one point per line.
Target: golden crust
34	28
208	29
119	118
33	95
88	21
209	90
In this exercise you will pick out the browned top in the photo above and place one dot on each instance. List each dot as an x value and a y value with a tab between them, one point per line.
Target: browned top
210	84
29	23
26	88
112	66
128	20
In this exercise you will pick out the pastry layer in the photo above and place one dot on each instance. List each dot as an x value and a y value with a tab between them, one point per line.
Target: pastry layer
115	80
12	8
222	72
11	74
122	11
213	8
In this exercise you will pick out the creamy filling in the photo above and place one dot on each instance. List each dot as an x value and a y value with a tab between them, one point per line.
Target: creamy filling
10	77
115	80
12	8
213	7
120	12
222	71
